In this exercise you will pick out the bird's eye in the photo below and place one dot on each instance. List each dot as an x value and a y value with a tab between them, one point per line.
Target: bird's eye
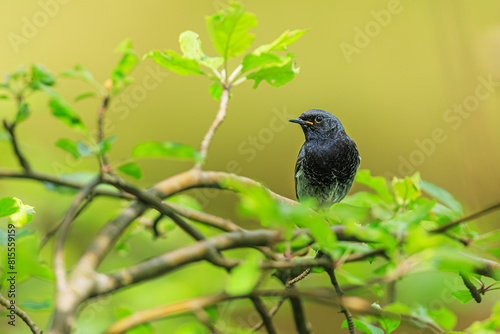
319	119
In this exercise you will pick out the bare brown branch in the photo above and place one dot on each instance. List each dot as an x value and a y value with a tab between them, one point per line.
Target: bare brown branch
22	314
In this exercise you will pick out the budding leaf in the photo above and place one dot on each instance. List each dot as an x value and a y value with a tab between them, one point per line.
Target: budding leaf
281	43
175	62
275	75
244	277
228	30
131	169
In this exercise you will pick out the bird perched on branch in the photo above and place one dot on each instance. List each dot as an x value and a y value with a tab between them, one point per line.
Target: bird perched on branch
327	161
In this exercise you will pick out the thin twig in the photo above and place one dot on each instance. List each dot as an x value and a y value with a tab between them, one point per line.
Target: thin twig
59	181
100	131
340	294
59	266
15	145
219	118
53	230
22	314
318	295
473	216
264	314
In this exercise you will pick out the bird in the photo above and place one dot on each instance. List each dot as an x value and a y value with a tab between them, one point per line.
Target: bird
328	160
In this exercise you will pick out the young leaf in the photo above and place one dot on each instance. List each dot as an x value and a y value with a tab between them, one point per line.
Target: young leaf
285	39
64	112
252	61
131	169
23	112
36	306
216	90
463	296
8	206
174	62
406	190
275	74
228	30
444	317
377	183
69	146
244	277
23	216
39	74
166	149
442	195
105	145
79	72
367	328
128	61
84	96
190	45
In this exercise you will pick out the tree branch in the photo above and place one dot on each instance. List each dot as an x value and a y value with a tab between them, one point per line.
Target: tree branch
219	118
340	294
473	216
17	151
46	178
264	314
22	314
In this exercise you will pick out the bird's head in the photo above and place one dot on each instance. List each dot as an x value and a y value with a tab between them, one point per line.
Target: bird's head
317	123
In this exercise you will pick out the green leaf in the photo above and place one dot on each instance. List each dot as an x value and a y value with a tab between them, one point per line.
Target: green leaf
389	324
8	206
285	39
127	62
81	73
84	96
216	90
252	61
406	190
39	74
105	145
228	30
175	62
444	317
367	328
36	306
166	149
244	277
442	195
27	260
23	112
377	183
276	74
185	200
131	169
64	112
69	146
190	45
463	296
18	213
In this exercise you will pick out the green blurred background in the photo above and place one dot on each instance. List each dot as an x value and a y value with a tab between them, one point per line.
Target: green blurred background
394	80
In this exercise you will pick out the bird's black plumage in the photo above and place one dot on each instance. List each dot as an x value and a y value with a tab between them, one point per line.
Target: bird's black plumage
327	161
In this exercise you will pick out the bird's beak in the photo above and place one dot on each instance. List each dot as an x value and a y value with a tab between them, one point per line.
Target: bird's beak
300	121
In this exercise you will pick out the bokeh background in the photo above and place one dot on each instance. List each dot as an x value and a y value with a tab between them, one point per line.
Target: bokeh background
393	80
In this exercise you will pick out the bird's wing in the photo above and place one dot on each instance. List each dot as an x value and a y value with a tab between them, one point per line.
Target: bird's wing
298	165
